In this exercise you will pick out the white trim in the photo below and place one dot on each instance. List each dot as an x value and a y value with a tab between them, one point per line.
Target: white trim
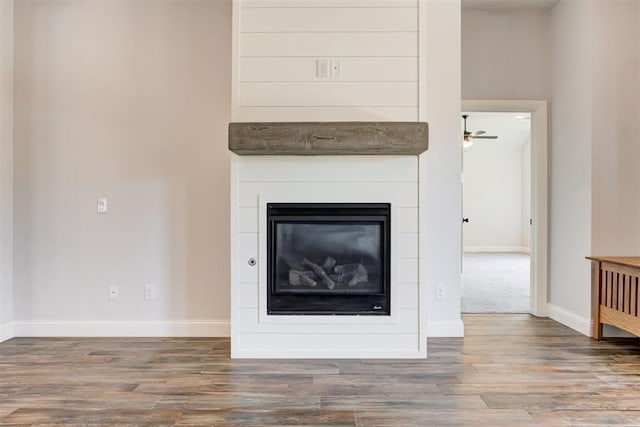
539	190
174	328
422	177
570	319
331	354
445	329
7	331
519	249
233	228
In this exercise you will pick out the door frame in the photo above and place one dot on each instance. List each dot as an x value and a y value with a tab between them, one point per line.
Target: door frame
539	190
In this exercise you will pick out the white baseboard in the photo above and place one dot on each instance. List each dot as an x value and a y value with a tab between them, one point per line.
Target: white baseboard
6	331
328	354
570	319
178	328
490	249
445	329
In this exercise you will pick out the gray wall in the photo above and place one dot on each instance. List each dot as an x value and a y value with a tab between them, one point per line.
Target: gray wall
6	166
129	101
505	54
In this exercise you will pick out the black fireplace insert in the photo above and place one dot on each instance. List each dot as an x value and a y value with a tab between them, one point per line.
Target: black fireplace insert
328	258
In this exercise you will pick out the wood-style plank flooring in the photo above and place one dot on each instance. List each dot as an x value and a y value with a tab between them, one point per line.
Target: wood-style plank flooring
509	370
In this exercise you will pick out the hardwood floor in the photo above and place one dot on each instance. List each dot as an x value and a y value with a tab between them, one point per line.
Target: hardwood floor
509	370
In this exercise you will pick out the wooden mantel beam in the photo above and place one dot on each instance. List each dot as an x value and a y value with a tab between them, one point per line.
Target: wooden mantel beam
328	138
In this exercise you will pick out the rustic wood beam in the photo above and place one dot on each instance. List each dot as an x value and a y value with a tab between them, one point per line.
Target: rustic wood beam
328	138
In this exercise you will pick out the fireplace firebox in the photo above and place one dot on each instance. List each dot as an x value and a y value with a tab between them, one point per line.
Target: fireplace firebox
328	258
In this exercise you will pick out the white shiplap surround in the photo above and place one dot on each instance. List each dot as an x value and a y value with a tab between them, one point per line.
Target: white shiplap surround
276	45
272	179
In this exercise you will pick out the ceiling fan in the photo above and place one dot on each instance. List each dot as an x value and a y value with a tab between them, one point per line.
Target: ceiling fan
468	137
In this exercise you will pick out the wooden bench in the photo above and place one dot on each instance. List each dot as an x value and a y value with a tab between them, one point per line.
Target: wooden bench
616	299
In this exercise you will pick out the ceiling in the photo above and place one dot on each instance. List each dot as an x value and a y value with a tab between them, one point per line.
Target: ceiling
512	129
508	4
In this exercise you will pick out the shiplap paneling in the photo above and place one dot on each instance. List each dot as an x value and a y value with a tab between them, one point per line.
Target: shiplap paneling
326	345
327	114
329	3
277	43
246	272
407	294
248	295
354	69
248	245
406	194
408	220
325	94
248	220
328	44
326	178
305	20
408	245
407	270
329	169
407	323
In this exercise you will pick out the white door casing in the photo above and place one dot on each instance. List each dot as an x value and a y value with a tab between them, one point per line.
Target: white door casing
539	190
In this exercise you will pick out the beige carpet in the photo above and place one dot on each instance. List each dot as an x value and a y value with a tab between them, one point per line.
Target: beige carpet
496	283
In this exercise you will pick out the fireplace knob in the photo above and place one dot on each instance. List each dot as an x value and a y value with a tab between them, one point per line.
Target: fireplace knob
252	262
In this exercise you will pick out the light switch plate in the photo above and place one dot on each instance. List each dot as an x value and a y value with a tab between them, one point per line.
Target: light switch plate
322	68
102	205
335	68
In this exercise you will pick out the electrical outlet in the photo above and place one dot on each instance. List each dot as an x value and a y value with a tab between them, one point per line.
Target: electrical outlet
102	205
149	291
114	292
440	293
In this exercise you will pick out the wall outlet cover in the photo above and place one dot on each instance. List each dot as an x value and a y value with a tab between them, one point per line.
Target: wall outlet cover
149	291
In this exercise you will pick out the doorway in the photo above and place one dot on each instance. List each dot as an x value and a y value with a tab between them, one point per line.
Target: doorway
535	113
496	211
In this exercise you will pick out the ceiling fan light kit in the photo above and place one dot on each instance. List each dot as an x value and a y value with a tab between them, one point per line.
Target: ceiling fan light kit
468	137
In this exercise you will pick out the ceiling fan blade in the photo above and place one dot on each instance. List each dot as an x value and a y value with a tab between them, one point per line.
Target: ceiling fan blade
476	133
485	137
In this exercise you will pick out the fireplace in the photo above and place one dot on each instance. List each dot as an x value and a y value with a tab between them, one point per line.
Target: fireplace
325	240
328	259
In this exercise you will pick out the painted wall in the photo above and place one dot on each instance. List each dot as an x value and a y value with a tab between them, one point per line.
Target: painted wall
616	144
440	168
129	101
590	51
595	196
571	135
6	169
505	54
493	197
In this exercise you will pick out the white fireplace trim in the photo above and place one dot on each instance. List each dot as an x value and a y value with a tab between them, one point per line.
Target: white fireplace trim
387	179
282	197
